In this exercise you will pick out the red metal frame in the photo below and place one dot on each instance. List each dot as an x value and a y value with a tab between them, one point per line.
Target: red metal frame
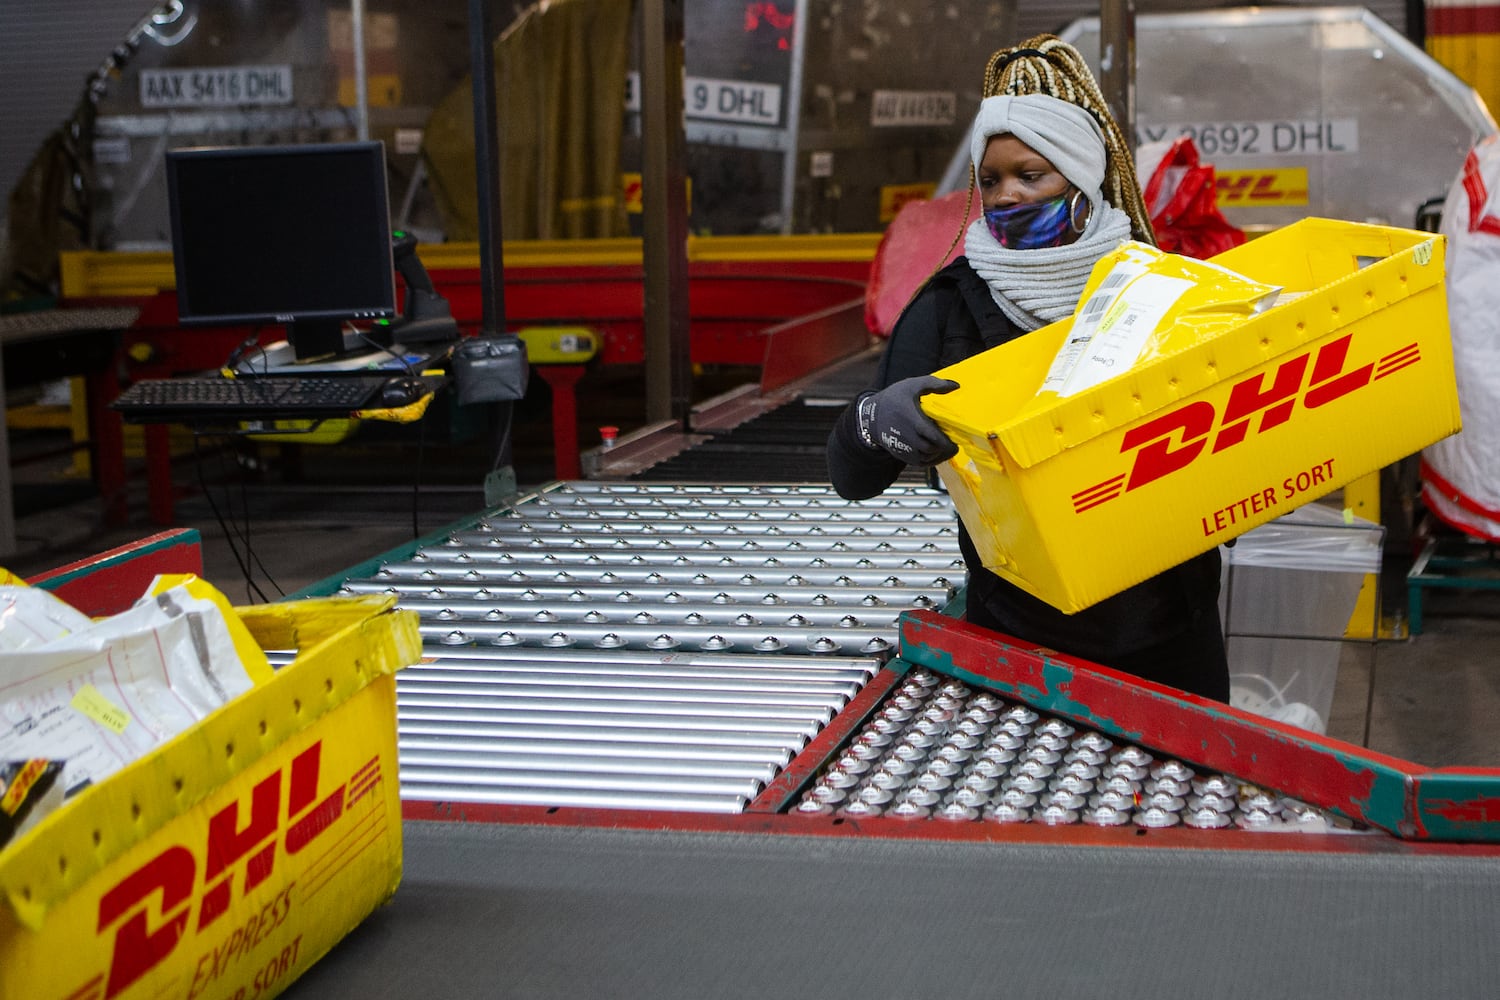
563	381
1422	807
1411	801
808	343
780	792
112	581
1077	835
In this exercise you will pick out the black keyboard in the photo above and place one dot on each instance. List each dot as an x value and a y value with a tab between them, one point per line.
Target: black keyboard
264	397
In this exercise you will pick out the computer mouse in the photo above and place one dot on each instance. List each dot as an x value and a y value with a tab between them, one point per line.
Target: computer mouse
402	392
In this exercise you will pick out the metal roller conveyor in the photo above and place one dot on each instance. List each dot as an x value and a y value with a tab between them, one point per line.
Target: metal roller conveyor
461	791
425	677
722	529
738	495
676	520
621	576
465	603
665	704
769	744
725	638
584	715
687	544
551	780
691	491
458	612
633	673
900	597
630	658
632	695
555	504
648	646
504	760
550	750
488	547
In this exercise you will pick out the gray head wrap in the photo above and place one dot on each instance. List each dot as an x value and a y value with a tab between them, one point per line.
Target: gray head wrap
1064	133
1038	286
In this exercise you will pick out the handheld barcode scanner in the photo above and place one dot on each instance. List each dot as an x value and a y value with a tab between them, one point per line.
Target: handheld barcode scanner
425	316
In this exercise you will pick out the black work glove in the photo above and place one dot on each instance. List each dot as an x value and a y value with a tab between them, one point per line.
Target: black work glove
893	421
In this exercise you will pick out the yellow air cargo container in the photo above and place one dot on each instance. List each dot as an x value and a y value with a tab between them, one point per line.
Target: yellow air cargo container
1350	371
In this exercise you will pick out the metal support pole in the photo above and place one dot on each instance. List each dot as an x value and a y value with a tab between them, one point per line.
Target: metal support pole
487	165
1117	63
361	79
500	483
793	118
664	196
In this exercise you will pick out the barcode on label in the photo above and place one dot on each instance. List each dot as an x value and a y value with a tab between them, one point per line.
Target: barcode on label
1094	307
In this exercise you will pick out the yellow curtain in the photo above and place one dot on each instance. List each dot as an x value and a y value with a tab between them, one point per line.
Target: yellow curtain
1465	37
560	94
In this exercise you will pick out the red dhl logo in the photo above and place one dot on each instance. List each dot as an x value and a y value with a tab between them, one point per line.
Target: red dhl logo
146	933
1173	441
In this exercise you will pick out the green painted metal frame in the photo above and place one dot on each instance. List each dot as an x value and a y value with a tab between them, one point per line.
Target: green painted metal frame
1403	798
1450	563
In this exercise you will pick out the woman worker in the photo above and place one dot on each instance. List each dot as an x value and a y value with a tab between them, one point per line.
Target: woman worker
1058	192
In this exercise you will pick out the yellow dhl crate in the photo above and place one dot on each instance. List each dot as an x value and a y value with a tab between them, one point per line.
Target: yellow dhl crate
1103	489
233	857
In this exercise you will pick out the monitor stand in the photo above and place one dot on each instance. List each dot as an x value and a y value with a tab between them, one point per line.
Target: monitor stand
315	339
356	357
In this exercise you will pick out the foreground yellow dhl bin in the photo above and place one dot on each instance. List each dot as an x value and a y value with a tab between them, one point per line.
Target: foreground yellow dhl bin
233	857
1078	501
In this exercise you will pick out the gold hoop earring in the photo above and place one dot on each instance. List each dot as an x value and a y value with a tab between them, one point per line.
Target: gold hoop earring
1073	222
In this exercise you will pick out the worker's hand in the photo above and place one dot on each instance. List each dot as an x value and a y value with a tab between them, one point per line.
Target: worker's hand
892	420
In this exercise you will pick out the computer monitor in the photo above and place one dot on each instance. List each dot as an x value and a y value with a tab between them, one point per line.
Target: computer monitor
298	235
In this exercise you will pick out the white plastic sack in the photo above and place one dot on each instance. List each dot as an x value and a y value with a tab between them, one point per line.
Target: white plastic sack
1290	590
108	693
1461	473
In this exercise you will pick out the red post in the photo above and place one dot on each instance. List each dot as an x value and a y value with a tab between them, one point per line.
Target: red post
159	472
561	379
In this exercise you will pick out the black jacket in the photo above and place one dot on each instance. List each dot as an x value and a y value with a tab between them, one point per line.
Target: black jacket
952	318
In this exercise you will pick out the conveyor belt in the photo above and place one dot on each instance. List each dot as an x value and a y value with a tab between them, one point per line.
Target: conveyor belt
504	910
674	647
602	645
788	443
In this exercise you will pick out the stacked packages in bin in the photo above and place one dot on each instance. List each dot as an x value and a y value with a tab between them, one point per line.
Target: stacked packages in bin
224	824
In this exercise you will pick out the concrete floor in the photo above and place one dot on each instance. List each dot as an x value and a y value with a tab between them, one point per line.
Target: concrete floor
1433	701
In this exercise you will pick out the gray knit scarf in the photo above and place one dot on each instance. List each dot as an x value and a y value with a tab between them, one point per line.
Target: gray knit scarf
1037	287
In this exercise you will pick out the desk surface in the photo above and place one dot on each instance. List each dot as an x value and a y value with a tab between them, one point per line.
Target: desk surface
15	327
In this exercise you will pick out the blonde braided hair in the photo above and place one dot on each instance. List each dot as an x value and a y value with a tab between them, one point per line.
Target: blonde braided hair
1045	64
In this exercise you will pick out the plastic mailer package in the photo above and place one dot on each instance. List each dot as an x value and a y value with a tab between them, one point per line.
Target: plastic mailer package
1140	303
1461	474
100	694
